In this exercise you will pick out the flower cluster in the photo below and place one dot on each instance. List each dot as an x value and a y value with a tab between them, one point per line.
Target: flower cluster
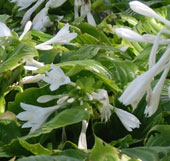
84	11
41	21
128	120
142	84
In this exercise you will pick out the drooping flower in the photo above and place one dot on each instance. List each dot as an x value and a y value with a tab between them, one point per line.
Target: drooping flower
128	120
153	103
23	3
56	78
143	9
4	30
86	11
82	142
102	96
35	116
138	87
63	37
41	21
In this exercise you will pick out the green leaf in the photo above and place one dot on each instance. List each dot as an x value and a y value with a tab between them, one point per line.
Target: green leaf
36	149
8	131
49	158
95	32
102	151
123	71
21	53
159	136
91	65
149	153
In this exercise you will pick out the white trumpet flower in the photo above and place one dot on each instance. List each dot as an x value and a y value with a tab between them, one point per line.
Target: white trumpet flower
82	142
153	103
138	87
28	14
133	36
128	120
63	37
4	30
32	79
23	3
35	116
41	21
144	10
56	78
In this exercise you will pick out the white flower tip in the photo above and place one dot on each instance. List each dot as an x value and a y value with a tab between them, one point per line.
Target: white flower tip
143	9
128	34
44	47
46	98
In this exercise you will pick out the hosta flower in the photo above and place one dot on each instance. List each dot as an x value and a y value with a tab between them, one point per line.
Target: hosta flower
56	78
35	116
82	142
26	29
47	98
28	14
23	3
131	35
102	96
41	21
128	120
4	30
32	64
153	103
63	37
138	87
31	79
86	11
55	3
142	9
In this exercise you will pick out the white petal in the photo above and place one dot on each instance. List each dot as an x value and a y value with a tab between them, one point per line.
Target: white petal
82	142
32	79
43	47
90	19
55	3
4	30
62	99
129	34
152	107
26	29
63	36
142	9
47	98
28	14
30	68
29	107
128	120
